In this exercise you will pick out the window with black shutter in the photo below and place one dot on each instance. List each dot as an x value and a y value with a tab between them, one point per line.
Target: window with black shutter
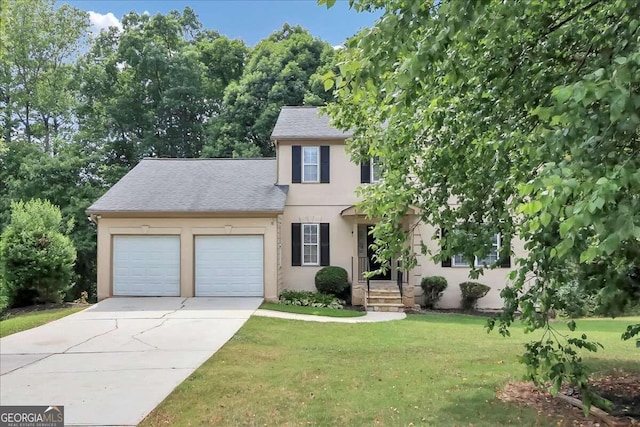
310	244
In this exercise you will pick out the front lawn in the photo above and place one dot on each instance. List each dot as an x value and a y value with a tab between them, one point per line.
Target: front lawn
22	322
316	311
427	370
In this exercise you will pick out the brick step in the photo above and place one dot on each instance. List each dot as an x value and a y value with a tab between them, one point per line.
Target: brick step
384	288
385	307
384	300
377	292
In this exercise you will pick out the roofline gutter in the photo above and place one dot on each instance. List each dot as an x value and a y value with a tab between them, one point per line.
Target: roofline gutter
310	138
96	215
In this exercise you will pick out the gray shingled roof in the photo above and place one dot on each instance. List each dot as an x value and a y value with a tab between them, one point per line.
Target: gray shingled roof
304	123
196	185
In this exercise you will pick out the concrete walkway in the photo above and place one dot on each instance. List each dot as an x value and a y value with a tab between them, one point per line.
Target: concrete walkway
114	362
371	316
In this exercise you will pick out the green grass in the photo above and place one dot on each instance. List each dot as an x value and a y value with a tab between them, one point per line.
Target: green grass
25	321
316	311
433	370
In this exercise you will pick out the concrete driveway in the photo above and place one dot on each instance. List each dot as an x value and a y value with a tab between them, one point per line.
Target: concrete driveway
114	362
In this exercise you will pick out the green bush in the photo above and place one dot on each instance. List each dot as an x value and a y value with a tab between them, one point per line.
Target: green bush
471	293
433	287
573	300
36	255
4	301
310	299
332	280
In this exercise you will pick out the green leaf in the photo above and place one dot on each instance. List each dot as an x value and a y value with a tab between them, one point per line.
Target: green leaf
531	208
328	3
611	244
618	103
562	94
589	255
571	325
579	92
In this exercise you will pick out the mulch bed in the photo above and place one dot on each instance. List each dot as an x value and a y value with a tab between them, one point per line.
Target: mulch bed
622	389
40	307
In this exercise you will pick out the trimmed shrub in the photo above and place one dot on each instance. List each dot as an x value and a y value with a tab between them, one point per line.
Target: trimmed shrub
433	287
332	280
36	255
309	299
471	293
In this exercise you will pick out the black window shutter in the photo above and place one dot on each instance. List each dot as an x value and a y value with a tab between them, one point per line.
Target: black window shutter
324	164
505	252
365	172
296	244
446	262
324	243
296	164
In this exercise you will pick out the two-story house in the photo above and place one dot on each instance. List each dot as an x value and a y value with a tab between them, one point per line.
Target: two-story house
253	227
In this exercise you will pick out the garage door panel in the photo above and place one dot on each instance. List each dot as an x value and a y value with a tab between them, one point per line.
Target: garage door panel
229	265
146	265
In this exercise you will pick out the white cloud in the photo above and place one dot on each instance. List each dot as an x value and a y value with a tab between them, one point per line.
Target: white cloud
101	22
338	47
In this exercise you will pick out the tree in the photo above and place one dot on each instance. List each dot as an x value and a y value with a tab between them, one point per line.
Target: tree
69	180
35	74
150	89
524	114
36	255
5	15
282	70
38	100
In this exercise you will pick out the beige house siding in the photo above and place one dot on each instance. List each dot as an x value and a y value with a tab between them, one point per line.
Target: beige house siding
340	191
315	203
341	238
187	229
280	284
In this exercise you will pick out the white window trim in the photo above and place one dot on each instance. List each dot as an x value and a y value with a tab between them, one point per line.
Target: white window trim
372	175
317	244
317	164
475	262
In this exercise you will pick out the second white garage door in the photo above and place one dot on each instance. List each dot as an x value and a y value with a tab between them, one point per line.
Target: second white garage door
229	266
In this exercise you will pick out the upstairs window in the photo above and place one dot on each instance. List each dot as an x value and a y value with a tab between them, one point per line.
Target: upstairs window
310	164
376	172
371	170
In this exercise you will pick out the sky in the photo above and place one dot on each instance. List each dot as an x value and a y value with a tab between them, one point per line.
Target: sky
249	20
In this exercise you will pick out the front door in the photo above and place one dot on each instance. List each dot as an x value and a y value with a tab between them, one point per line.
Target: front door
373	265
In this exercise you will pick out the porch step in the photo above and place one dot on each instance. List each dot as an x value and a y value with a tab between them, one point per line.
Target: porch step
384	300
385	307
383	286
384	292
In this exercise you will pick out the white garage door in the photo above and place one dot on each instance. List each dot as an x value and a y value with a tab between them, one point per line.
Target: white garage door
229	266
146	265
